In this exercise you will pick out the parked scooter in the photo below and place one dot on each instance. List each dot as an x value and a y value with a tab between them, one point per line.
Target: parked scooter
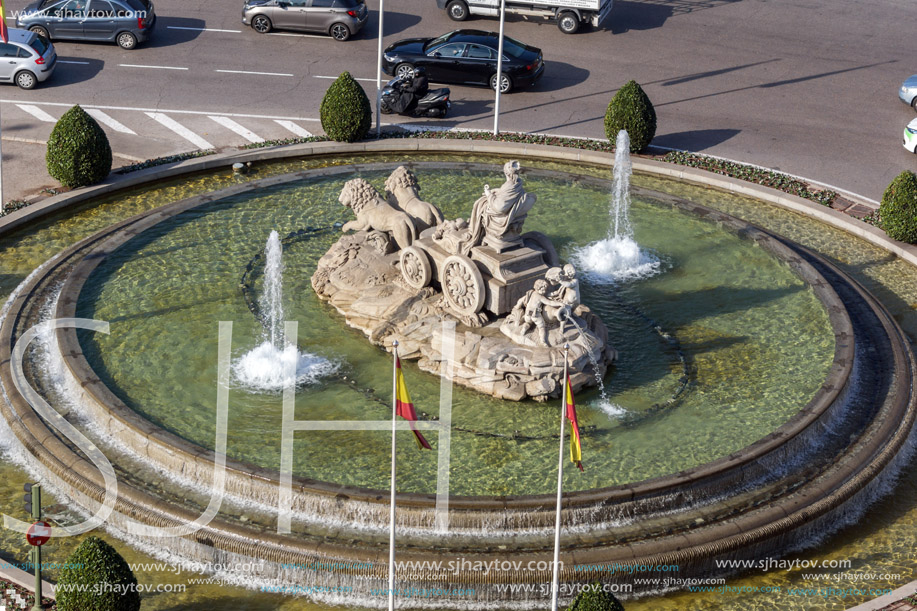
434	104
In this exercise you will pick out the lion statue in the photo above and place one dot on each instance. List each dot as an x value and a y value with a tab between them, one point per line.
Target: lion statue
401	190
373	212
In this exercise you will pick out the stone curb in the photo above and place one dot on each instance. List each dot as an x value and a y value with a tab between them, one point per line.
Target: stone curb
27	581
877	604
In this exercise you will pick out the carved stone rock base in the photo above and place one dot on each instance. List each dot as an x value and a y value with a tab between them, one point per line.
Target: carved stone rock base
367	288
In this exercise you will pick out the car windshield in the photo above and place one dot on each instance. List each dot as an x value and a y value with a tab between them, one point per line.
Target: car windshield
438	41
40	45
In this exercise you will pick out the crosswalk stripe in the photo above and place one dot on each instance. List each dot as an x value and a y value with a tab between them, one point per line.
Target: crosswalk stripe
180	129
299	131
242	131
37	112
101	117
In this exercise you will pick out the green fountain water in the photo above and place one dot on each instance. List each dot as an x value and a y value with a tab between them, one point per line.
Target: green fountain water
882	544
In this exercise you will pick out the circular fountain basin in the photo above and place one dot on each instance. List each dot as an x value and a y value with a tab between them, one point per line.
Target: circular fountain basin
747	471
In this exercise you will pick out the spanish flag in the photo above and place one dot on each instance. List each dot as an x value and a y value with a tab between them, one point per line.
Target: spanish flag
4	34
404	407
576	450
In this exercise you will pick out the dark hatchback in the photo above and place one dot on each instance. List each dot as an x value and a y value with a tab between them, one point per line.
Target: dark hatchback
466	57
126	22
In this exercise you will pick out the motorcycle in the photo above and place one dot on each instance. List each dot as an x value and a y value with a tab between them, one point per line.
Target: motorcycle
435	104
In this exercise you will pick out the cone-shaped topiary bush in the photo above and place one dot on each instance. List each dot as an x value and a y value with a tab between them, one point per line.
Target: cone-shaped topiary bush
110	583
593	598
345	112
632	110
898	210
78	150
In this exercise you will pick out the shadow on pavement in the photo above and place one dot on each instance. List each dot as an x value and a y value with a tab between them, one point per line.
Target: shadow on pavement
171	31
68	74
695	140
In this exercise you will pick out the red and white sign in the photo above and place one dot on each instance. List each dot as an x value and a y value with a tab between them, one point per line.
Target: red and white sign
38	533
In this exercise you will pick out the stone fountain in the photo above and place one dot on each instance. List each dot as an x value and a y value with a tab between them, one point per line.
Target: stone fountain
404	269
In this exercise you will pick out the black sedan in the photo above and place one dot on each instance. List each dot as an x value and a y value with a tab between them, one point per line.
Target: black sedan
466	56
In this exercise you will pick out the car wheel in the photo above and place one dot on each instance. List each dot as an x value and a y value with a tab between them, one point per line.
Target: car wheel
506	83
404	70
457	10
261	24
568	22
127	41
40	31
340	32
26	80
914	103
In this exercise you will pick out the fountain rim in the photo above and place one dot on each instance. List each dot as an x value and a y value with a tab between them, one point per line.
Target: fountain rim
139	428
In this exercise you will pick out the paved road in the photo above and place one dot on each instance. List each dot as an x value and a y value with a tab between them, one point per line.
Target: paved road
805	86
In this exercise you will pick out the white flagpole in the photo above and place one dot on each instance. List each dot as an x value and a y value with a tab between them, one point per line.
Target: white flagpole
379	72
391	536
2	204
499	68
560	481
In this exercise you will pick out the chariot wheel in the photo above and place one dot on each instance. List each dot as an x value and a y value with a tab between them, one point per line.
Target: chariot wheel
463	286
415	267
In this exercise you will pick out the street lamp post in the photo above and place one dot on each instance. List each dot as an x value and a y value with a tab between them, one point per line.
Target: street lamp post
499	82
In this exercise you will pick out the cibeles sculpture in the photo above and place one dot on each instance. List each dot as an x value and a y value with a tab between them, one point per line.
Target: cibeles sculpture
515	305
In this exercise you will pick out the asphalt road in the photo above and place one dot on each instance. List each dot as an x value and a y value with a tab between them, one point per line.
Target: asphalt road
804	86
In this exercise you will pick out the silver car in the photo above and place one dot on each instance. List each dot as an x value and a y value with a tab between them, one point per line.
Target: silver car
339	18
27	59
908	92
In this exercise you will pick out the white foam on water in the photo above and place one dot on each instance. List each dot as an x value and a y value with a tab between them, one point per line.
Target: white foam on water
614	259
611	408
268	368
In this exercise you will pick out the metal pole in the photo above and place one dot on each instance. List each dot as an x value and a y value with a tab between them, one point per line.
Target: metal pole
36	503
391	535
560	480
379	72
499	68
2	204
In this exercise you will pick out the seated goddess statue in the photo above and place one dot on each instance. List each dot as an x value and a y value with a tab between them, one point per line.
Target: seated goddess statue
497	217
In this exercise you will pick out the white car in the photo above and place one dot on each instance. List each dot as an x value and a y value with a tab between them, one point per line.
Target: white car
910	136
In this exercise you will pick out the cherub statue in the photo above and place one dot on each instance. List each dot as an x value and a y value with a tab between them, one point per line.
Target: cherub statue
531	310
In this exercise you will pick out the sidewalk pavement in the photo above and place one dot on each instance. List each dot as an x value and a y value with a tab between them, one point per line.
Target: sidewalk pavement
892	601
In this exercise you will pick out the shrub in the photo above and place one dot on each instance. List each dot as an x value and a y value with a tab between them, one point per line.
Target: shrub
632	110
898	210
96	562
78	150
345	112
593	598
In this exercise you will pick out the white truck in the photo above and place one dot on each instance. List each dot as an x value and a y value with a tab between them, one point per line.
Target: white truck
569	14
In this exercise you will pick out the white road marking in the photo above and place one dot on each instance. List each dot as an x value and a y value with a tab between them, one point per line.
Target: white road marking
67	61
371	80
166	110
248	72
178	27
242	131
153	67
299	131
37	112
101	117
180	129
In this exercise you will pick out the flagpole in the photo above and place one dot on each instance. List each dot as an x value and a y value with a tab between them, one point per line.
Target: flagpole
391	536
379	73
499	69
560	482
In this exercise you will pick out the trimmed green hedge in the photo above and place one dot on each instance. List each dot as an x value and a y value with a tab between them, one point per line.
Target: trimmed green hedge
631	109
345	112
111	583
593	598
898	210
78	151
